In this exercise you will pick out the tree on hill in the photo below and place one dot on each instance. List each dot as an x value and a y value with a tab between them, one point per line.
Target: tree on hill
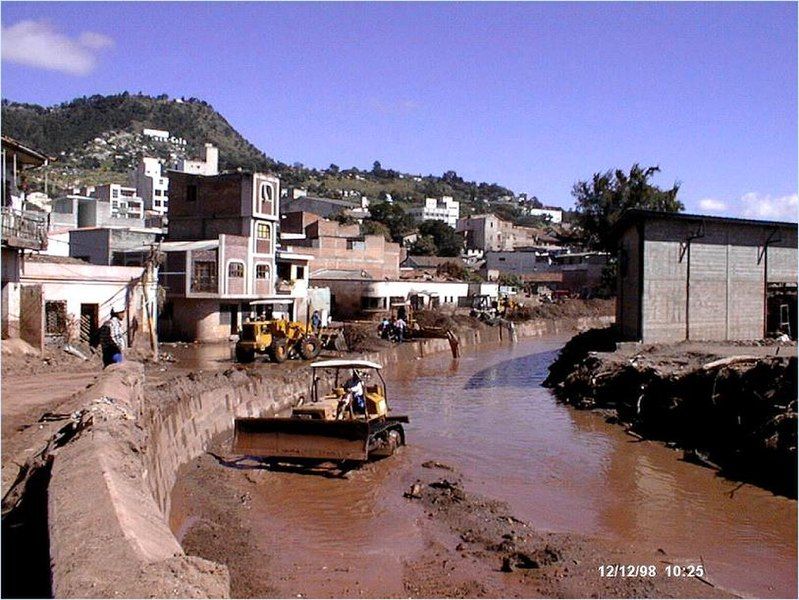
392	216
447	242
371	227
601	201
424	246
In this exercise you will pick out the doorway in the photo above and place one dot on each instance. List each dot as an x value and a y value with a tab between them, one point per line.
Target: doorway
89	317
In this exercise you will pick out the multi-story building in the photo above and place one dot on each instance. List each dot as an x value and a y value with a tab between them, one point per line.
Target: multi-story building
209	165
124	201
221	254
490	233
446	209
152	186
339	247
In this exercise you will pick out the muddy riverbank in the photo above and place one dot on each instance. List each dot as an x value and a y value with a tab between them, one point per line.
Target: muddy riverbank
729	406
553	476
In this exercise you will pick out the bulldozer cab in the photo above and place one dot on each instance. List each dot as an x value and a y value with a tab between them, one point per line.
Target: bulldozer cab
341	374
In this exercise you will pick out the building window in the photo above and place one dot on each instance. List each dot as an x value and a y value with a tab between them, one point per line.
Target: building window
235	269
300	272
191	193
263	231
265	198
369	303
55	314
115	193
262	271
204	279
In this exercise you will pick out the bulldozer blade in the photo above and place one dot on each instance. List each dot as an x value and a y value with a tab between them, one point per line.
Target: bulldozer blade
301	438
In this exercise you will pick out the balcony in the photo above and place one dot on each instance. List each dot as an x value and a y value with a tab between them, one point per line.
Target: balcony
284	287
23	229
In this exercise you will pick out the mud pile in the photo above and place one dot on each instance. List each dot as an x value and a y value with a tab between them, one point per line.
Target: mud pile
730	407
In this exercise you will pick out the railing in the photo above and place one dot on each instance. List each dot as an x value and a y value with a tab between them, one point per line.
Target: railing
23	229
205	283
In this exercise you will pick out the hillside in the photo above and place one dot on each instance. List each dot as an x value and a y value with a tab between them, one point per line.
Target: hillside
99	139
72	125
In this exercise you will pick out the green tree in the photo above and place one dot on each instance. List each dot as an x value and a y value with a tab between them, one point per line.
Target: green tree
392	216
424	246
601	201
370	227
444	237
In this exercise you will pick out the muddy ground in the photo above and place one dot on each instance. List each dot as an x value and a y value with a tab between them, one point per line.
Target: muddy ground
468	546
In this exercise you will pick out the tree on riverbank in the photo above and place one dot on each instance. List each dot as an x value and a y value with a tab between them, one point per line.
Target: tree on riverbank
602	200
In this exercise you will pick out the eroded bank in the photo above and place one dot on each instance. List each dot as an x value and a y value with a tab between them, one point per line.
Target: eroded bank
109	489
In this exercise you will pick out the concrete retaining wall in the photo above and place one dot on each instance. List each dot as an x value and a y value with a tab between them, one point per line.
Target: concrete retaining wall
109	494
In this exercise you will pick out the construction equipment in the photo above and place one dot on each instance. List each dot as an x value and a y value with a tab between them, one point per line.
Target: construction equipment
279	339
328	426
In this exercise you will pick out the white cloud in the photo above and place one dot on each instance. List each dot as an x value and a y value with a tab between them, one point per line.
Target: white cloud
38	44
759	206
712	205
97	41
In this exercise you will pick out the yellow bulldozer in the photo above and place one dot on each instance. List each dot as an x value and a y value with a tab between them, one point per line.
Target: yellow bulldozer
340	420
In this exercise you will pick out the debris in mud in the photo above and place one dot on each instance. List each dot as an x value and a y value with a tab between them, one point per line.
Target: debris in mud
434	464
415	491
450	490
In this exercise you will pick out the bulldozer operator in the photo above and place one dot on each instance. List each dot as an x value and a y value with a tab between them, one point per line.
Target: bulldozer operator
354	397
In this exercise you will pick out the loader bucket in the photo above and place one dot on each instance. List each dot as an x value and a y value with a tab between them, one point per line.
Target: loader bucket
301	438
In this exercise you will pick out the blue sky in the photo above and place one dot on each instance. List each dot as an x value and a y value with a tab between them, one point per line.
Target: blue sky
534	96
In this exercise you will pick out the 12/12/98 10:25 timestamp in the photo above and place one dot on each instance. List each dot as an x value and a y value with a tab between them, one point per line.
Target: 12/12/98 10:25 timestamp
669	570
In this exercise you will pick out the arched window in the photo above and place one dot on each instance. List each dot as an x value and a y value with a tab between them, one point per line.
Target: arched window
235	269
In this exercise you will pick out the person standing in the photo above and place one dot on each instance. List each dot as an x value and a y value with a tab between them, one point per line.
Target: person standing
316	321
112	338
400	327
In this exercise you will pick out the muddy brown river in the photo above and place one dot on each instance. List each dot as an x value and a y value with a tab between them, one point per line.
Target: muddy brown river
559	469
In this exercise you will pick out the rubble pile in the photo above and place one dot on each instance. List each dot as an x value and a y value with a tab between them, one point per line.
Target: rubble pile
736	412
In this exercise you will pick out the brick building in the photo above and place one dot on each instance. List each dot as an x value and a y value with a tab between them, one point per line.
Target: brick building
340	247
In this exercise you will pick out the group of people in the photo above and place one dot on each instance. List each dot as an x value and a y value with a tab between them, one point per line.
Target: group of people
394	331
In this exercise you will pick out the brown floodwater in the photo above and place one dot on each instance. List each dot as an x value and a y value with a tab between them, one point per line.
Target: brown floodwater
560	469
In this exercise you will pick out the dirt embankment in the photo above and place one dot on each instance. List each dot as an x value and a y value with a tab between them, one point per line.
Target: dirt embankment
730	406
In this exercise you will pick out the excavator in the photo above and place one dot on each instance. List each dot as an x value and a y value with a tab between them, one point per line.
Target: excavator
341	420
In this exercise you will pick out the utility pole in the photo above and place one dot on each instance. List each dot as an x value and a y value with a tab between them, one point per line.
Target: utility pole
147	277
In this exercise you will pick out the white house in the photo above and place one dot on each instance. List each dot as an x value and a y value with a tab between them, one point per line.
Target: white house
555	215
152	186
71	299
354	294
209	165
446	209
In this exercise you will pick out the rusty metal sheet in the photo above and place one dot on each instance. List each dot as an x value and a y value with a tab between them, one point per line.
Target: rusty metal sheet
301	438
